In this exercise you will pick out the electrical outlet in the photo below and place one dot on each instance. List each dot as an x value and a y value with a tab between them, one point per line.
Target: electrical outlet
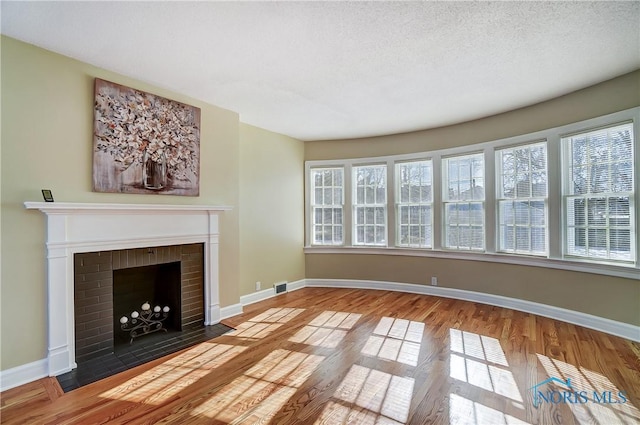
258	286
434	281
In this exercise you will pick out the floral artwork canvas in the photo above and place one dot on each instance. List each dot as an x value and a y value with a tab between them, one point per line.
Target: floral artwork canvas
143	143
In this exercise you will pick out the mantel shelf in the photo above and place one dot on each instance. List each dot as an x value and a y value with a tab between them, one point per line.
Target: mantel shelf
72	207
73	228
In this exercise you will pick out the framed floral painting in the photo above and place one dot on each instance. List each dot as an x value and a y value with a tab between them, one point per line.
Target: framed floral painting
143	143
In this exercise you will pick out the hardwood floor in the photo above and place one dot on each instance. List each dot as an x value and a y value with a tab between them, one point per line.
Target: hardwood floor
337	356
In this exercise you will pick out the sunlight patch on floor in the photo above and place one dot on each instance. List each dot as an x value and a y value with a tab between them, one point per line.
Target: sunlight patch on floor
463	411
369	396
479	346
395	340
326	330
488	377
265	323
164	381
261	391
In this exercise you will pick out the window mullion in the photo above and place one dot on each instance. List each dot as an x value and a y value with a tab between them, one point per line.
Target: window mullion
347	209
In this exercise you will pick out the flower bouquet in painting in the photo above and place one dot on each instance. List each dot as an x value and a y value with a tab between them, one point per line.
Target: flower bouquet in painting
144	143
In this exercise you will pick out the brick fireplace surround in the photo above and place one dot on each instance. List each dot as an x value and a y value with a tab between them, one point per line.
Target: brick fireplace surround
94	292
74	228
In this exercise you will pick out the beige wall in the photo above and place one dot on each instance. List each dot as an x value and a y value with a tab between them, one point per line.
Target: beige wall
272	201
47	124
608	297
611	297
605	98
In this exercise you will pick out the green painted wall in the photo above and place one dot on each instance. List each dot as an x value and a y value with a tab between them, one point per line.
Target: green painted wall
47	127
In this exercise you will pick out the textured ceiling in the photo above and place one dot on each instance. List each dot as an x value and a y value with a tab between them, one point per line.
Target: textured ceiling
333	70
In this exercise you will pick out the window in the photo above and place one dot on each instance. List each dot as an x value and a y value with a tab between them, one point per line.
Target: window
370	205
522	199
557	196
414	199
463	202
598	196
327	193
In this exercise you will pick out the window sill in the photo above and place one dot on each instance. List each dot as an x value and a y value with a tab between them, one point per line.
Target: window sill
585	266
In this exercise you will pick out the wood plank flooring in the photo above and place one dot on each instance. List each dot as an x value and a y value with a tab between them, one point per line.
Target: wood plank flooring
338	356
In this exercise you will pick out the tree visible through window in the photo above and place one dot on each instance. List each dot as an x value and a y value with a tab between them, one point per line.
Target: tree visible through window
414	197
599	190
370	205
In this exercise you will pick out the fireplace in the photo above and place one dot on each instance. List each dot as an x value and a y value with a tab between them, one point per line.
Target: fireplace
74	228
112	284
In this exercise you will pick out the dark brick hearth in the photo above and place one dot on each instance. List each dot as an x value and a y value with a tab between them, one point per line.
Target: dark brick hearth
93	291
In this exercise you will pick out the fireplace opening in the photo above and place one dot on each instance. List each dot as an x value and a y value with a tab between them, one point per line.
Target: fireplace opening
159	286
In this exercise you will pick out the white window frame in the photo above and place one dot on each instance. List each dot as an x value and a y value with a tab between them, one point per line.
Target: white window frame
376	205
501	198
400	203
555	258
468	201
567	165
332	206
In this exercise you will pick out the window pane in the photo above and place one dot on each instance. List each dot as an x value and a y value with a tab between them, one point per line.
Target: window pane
337	234
622	177
337	215
360	195
369	215
538	239
521	213
507	238
451	214
404	193
619	213
360	215
476	214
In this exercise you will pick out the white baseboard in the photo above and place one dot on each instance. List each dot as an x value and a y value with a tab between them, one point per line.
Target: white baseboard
230	311
298	284
23	374
269	293
255	297
601	324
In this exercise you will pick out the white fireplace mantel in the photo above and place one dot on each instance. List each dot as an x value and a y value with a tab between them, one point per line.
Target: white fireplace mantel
86	227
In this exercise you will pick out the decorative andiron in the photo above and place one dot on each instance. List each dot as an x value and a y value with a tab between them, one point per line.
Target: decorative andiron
146	322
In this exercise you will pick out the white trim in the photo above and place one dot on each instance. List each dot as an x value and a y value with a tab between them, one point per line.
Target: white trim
265	294
255	297
294	286
623	330
87	208
83	227
230	311
23	374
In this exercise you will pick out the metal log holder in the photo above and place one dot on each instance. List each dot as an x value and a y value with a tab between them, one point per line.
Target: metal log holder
146	322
